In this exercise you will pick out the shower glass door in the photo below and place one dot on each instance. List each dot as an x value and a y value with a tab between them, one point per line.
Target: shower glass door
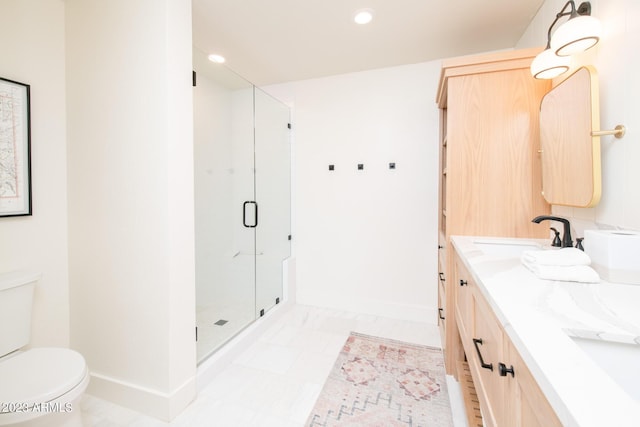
224	180
273	171
242	202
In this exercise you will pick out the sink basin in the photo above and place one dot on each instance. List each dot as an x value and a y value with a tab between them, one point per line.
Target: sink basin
618	360
505	248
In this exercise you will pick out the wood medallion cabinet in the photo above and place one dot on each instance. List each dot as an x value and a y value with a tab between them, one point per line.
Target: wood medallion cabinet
490	176
490	173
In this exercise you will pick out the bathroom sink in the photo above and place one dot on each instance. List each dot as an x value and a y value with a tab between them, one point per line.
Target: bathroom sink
618	360
505	247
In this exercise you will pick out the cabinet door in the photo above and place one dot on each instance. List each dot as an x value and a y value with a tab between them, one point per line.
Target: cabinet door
488	347
442	303
529	407
442	294
464	307
493	171
481	336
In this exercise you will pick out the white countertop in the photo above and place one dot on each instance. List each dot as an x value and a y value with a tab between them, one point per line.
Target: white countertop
538	316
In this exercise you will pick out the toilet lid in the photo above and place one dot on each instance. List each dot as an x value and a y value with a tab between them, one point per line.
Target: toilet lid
40	375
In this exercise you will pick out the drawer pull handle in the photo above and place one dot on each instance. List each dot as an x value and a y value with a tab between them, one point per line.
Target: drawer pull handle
463	282
488	366
440	314
441	275
503	371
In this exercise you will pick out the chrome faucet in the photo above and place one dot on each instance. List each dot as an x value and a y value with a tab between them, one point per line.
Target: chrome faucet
566	235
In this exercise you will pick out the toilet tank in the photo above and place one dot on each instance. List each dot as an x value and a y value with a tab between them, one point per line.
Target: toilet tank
16	298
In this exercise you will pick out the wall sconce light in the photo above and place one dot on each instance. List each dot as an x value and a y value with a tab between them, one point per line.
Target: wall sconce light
581	32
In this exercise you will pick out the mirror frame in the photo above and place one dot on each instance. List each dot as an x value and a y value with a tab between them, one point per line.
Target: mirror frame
570	154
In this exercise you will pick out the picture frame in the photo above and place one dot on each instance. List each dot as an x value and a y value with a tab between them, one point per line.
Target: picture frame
15	148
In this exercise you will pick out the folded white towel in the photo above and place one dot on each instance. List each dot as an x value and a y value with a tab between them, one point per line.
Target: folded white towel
571	273
558	257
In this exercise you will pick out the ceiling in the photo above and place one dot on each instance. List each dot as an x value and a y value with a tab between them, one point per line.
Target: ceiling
274	41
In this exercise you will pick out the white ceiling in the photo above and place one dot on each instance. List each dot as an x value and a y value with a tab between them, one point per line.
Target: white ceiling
274	41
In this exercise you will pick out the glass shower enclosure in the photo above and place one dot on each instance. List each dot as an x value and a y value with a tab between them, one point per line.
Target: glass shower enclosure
242	202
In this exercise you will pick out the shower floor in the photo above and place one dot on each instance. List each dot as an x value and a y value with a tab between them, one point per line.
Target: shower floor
217	324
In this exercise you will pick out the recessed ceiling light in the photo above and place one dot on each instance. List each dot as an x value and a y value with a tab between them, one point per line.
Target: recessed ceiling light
218	59
363	16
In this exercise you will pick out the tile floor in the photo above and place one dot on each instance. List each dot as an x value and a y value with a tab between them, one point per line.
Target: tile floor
276	381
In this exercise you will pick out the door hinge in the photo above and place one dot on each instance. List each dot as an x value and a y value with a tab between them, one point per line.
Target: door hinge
288	125
193	78
196	333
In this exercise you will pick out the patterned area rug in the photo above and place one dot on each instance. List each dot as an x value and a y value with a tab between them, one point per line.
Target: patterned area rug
381	382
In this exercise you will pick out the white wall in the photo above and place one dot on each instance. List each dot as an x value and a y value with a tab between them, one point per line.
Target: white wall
617	62
33	52
130	169
366	240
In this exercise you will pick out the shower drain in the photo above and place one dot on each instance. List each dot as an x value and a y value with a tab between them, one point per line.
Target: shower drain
221	322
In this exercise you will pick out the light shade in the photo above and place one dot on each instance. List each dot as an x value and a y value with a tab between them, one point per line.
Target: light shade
363	16
548	65
218	59
576	35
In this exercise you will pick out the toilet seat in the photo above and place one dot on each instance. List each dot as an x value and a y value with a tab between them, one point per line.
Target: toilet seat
40	375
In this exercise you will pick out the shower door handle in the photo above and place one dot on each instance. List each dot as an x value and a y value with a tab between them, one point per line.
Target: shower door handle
255	214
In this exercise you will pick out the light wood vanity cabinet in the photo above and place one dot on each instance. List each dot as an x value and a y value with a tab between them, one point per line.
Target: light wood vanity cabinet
490	176
508	394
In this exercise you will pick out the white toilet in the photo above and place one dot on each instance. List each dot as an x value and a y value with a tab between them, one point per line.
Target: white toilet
38	386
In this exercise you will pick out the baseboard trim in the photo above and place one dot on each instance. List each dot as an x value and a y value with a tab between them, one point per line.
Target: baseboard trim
410	312
163	406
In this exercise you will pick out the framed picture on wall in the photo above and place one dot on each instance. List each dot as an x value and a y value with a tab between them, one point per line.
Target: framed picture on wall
15	149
